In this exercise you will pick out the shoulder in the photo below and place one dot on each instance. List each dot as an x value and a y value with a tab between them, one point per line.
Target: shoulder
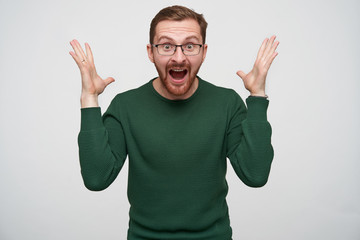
129	99
133	94
226	101
218	93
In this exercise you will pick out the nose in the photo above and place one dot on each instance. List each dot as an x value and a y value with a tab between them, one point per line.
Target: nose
178	55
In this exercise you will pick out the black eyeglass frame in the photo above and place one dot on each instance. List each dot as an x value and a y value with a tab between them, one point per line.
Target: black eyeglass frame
176	46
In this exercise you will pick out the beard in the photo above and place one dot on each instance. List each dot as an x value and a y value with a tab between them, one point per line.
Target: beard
173	89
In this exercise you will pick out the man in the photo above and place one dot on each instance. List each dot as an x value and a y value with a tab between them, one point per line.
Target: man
177	131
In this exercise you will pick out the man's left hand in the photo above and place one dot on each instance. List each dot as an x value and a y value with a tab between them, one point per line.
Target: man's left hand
254	81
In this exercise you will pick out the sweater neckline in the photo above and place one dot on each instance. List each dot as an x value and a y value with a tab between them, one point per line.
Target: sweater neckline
150	83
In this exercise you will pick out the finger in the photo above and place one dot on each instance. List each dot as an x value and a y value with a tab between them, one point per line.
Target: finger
262	49
89	53
271	59
272	50
241	74
76	58
269	46
109	80
77	55
78	49
73	54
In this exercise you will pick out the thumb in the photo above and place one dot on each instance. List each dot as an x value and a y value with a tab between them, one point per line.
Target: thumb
109	80
241	74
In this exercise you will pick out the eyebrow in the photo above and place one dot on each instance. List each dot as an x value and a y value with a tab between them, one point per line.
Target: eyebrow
170	39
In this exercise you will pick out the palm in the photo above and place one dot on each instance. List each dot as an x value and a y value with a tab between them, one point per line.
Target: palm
92	83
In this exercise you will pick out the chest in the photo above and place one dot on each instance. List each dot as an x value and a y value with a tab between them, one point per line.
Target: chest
180	134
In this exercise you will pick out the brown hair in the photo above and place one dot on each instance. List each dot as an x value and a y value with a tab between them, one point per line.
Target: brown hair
177	13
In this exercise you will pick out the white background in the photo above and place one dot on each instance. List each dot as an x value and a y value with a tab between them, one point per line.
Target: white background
313	190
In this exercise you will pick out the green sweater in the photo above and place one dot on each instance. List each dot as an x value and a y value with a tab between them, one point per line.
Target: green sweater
177	152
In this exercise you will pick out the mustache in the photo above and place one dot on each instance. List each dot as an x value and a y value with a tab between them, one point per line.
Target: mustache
175	65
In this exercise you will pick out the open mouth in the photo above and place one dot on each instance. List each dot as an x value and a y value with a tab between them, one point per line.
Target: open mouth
178	74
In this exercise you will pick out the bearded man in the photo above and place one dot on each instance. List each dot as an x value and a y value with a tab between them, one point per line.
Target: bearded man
177	131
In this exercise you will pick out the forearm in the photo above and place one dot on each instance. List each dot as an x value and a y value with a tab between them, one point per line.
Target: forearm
99	164
252	157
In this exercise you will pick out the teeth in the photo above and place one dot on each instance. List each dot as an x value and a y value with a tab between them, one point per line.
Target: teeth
178	70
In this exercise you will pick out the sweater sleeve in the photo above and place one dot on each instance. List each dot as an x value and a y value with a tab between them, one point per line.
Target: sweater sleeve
249	146
102	149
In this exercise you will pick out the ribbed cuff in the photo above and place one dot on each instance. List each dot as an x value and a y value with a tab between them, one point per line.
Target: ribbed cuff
257	108
91	118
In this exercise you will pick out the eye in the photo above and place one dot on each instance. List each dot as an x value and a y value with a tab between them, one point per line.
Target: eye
167	47
189	47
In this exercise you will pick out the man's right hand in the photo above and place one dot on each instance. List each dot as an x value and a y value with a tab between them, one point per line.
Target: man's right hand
92	83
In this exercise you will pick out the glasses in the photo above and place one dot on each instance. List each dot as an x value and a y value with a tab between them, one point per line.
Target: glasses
189	49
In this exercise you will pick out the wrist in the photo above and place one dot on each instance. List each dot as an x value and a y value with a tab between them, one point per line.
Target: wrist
89	100
258	91
258	94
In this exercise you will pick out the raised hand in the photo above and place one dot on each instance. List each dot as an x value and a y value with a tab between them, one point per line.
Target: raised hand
254	81
92	83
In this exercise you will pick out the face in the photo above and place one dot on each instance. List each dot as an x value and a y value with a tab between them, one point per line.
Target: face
177	73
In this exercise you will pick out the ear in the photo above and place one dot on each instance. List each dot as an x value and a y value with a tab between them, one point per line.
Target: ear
204	52
150	52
